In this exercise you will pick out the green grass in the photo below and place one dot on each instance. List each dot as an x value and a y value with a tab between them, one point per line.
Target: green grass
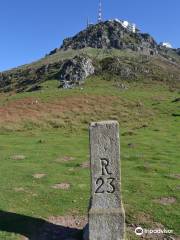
108	63
149	163
62	55
41	157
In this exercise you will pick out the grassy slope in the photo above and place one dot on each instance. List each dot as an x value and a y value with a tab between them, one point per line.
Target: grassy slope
91	52
62	55
142	67
149	163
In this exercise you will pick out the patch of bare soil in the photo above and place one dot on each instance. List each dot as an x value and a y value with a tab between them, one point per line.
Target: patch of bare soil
69	221
39	175
143	218
71	169
177	176
85	165
20	189
18	157
64	159
64	186
166	200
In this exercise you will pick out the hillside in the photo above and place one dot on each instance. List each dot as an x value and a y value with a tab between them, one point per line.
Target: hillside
104	48
44	139
44	144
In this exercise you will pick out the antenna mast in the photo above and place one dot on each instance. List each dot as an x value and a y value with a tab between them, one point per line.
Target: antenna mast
100	12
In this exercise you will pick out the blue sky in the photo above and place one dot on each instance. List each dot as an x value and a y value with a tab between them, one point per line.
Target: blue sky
30	29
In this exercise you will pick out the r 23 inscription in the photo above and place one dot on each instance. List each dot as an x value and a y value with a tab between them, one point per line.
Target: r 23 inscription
103	181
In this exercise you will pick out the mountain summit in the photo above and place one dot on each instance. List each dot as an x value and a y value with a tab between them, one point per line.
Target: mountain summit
111	34
106	49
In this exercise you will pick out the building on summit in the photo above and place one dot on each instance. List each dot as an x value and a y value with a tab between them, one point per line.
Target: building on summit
130	26
166	44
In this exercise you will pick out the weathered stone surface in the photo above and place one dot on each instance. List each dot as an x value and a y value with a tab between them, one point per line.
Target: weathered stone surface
75	70
106	213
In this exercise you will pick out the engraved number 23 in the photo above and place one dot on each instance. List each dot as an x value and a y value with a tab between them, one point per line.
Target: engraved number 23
100	183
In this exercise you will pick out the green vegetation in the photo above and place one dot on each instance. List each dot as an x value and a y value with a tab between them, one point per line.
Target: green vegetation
63	55
46	132
121	65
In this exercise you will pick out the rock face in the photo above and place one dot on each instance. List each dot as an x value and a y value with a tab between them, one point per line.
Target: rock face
21	78
111	34
76	70
135	69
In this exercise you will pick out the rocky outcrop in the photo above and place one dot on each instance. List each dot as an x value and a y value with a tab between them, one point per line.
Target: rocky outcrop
111	34
21	78
70	72
74	71
139	68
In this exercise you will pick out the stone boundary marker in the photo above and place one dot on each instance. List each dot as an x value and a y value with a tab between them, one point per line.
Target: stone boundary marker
106	213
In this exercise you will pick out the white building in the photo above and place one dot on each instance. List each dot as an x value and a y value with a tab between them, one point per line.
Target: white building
166	44
130	26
